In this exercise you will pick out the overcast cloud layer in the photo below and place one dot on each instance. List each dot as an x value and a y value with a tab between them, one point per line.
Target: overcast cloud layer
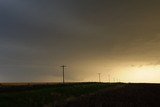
37	36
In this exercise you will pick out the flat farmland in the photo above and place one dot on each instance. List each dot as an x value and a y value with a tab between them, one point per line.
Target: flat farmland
79	95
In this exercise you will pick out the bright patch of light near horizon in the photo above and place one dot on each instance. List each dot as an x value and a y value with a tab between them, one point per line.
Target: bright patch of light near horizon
141	74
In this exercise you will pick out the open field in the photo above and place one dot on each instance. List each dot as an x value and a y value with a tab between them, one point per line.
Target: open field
79	95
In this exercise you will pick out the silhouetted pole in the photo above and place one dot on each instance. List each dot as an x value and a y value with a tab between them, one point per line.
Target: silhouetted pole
114	80
109	80
63	67
99	75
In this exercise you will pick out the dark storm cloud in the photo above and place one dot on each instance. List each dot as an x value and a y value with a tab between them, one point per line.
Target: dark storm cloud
38	36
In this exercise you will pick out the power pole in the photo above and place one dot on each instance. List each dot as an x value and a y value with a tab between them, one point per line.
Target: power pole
109	80
63	67
99	75
114	80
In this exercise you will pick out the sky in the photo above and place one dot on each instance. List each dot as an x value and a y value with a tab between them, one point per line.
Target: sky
117	38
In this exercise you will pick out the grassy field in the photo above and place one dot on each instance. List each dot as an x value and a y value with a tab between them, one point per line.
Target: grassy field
128	95
80	95
46	95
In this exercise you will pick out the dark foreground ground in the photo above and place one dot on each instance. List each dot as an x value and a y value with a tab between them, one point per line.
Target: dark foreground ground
80	95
